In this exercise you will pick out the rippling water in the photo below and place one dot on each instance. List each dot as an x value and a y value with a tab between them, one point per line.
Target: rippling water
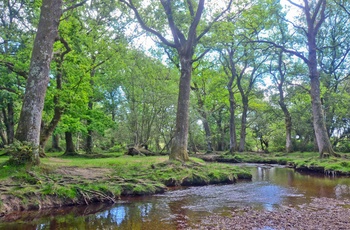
270	187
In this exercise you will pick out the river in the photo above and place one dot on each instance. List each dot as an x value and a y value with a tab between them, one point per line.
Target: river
271	187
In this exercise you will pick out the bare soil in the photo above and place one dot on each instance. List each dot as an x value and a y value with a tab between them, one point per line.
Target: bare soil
86	173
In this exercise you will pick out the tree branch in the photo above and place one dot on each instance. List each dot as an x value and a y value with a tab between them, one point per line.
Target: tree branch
343	7
190	7
201	55
192	31
293	52
215	20
143	24
178	36
74	6
295	4
8	90
322	14
10	66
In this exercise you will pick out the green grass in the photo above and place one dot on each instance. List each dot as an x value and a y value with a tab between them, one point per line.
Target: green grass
89	178
300	160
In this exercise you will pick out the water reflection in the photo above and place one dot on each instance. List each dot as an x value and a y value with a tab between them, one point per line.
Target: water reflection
270	188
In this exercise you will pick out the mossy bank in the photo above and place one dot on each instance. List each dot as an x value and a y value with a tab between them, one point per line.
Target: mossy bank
61	181
300	161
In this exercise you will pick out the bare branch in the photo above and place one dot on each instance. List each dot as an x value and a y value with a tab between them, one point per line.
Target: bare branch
74	6
301	86
343	7
66	45
295	4
143	24
201	55
293	52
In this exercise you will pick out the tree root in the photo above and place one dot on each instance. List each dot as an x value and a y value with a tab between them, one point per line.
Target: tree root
99	195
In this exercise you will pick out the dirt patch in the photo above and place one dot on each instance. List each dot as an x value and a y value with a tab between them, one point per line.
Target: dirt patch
321	213
86	173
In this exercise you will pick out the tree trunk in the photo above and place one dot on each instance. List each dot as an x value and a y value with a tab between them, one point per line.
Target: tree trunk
10	124
207	134
89	141
287	122
179	142
220	132
243	125
3	138
38	77
56	143
201	110
323	142
47	131
70	148
233	135
8	117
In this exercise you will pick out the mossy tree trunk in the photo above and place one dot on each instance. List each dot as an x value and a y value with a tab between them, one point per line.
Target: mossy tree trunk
38	78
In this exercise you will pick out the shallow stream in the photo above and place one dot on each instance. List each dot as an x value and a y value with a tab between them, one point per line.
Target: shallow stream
272	186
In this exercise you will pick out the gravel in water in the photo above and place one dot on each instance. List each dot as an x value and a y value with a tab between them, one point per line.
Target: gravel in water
320	214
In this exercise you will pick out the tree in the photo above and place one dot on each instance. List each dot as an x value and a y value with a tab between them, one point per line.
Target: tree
314	16
279	73
38	78
16	25
47	130
333	59
184	42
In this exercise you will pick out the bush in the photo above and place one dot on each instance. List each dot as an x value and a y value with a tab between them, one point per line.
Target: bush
116	148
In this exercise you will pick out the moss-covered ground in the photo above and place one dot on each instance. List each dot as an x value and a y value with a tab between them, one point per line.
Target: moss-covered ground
303	161
83	179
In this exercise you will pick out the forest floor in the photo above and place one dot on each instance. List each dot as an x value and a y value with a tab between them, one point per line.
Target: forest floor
61	181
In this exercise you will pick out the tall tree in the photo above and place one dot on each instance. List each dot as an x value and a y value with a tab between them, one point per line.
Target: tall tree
278	73
38	77
185	38
314	15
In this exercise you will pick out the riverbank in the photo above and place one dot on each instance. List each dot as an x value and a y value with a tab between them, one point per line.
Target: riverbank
61	181
305	162
320	214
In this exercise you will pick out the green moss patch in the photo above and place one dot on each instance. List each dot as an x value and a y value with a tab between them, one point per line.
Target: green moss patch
73	180
302	161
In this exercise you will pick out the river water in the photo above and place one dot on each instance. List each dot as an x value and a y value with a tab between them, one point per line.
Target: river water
271	187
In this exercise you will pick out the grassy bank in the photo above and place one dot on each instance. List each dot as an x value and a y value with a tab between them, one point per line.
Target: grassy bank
302	161
62	180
